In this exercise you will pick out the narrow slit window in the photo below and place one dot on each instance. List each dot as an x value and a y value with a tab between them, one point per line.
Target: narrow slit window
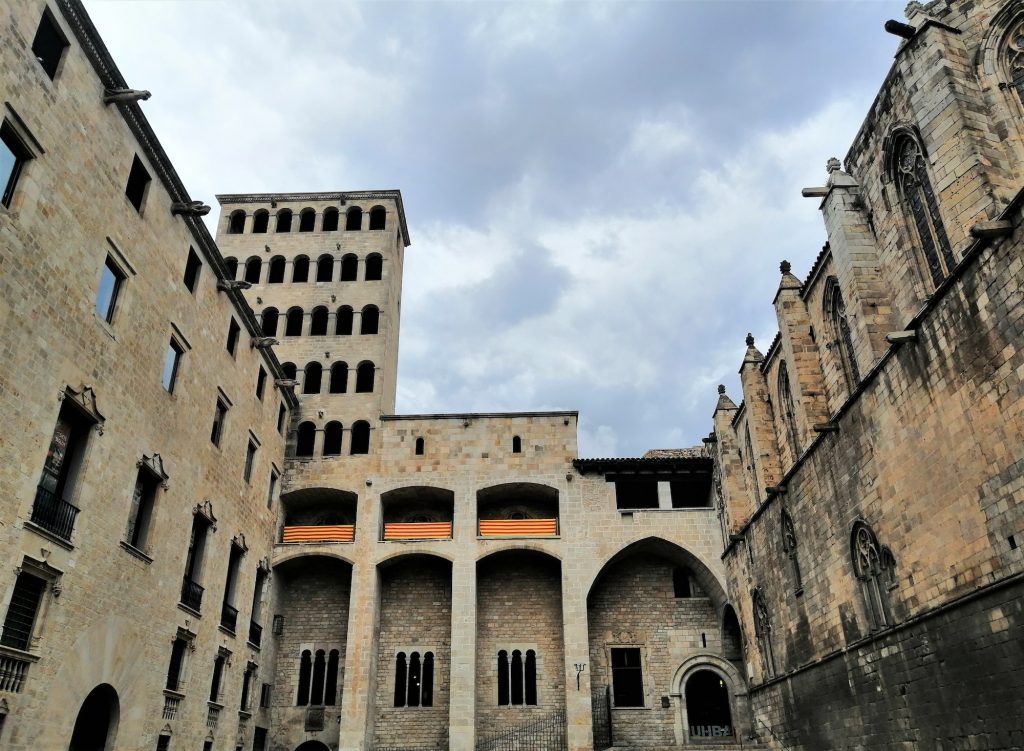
250	459
111	280
232	342
172	364
261	383
219	415
13	158
138	182
49	44
193	266
140	515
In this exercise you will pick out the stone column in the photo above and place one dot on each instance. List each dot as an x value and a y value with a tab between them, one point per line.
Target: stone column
576	642
360	657
664	495
307	322
462	701
318	442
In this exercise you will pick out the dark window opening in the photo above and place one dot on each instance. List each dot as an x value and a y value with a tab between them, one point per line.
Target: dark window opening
331	687
517	445
290	372
271	494
707	706
530	678
378	218
630	494
325	268
250	459
314	375
172	362
681	582
49	44
282	413
316	689
269	321
305	440
517	678
333	432
369	321
305	676
219	415
360	438
22	611
231	266
516	673
414	680
318	322
174	669
916	190
627	677
260	222
354	219
232	343
275	275
265	690
692	491
349	268
261	382
13	157
503	684
307	220
236	222
138	181
419	447
252	270
364	378
52	508
343	324
111	279
140	515
339	378
284	221
401	671
193	266
300	269
330	220
293	322
374	267
191	590
218	674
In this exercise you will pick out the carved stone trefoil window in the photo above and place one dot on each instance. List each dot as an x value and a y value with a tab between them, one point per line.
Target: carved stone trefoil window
789	545
763	632
874	565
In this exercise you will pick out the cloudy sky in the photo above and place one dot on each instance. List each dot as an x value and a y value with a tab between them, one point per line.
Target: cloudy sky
598	194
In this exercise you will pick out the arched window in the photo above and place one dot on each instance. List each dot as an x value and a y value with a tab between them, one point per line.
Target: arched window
269	321
414	680
305	674
339	378
318	321
842	338
910	172
276	273
517	445
231	264
284	221
419	447
236	222
788	410
330	220
316	692
290	371
369	320
751	469
343	322
763	632
374	267
732	638
306	439
354	219
331	689
360	438
314	374
332	438
252	270
517	678
364	378
349	268
260	221
293	322
300	269
307	220
378	217
681	582
325	268
875	568
789	547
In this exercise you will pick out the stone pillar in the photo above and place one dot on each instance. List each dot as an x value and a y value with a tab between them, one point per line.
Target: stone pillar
576	642
307	322
664	495
360	656
462	701
760	421
737	504
318	442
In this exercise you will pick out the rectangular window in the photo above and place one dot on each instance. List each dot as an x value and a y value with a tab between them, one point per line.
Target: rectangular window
138	182
229	613
13	157
272	488
21	613
53	510
247	677
630	494
192	268
176	667
49	44
627	677
191	590
163	743
232	342
261	383
111	279
218	675
259	737
281	414
250	458
219	416
140	515
172	359
265	696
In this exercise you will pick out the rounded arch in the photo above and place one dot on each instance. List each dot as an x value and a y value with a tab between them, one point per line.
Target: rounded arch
333	432
260	221
677	554
293	322
319	506
369	320
231	266
291	558
519	546
312	746
354	219
395	557
374	267
253	267
360	438
305	439
318	321
96	725
276	273
236	222
330	223
343	321
378	217
339	378
325	268
697	668
290	371
284	221
349	267
268	321
314	376
364	377
307	220
300	269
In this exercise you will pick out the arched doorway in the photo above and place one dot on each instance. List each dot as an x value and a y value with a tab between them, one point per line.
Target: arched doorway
96	726
707	706
313	746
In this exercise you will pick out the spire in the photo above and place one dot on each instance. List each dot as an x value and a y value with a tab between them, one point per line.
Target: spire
724	402
788	281
752	355
836	176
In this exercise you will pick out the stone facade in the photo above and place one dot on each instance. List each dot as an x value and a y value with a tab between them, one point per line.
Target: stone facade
309	570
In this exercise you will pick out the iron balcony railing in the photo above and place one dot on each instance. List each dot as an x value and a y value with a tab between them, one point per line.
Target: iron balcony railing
191	594
228	617
53	514
255	633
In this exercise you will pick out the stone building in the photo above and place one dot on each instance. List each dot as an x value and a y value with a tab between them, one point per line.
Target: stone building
308	570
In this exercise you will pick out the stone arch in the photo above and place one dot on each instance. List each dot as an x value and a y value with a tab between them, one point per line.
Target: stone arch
312	746
96	724
525	547
735	685
285	558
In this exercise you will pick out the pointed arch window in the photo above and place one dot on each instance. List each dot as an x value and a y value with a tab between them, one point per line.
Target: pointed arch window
842	336
875	567
788	409
763	632
1015	57
789	547
910	173
751	469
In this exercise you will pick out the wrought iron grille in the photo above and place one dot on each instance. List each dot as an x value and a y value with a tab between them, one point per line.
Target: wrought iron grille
544	734
53	514
255	633
171	707
228	617
191	594
601	712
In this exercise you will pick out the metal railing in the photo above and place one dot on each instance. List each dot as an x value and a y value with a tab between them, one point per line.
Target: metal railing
191	594
53	514
171	704
544	734
255	633
12	673
601	714
228	617
212	716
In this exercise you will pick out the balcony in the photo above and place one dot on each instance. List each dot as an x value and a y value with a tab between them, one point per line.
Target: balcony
53	514
13	668
497	528
319	533
228	617
191	594
255	633
418	531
